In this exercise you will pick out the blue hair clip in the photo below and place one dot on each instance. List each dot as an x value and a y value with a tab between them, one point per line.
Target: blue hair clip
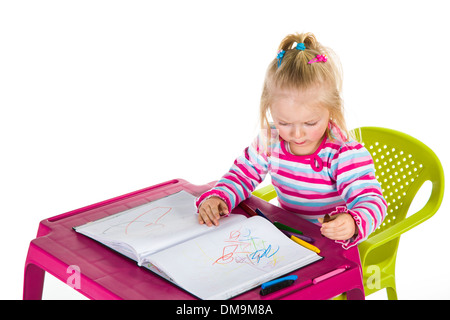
300	46
280	56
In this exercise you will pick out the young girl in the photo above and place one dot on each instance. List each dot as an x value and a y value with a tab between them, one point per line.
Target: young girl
316	168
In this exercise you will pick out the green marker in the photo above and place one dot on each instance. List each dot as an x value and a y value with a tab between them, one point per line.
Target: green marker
286	228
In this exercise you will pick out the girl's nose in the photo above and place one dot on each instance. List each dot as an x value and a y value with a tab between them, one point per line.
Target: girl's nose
297	132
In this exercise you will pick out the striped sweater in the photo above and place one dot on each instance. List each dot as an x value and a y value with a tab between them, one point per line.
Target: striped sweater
338	174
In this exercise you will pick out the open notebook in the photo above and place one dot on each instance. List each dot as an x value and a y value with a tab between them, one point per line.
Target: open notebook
209	262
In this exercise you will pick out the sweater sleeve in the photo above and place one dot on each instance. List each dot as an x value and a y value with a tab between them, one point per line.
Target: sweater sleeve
353	170
246	173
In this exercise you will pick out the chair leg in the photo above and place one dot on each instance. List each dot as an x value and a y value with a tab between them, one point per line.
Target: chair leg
391	293
342	296
33	282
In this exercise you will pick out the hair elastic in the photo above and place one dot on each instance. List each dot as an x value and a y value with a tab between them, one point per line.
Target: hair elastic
300	46
280	56
318	58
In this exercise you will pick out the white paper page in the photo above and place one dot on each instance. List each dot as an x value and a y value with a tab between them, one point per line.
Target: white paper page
233	259
152	226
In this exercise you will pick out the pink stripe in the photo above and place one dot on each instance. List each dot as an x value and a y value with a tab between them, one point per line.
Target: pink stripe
352	166
372	213
305	207
363	192
237	177
260	150
230	188
306	210
305	191
305	160
212	192
363	225
360	161
307	165
245	170
367	178
351	146
247	173
332	145
236	180
282	172
288	156
308	194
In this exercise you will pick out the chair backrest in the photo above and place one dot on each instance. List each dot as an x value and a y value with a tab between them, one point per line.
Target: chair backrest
402	165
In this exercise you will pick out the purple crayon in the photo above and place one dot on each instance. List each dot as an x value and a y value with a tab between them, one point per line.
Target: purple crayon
300	236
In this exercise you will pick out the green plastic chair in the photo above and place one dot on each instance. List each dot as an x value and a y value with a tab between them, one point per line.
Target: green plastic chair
402	165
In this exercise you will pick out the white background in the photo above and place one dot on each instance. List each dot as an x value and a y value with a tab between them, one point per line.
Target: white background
101	98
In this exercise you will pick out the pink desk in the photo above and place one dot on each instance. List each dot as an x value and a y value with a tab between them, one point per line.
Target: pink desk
105	274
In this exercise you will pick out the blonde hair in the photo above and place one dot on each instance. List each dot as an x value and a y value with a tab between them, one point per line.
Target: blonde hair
294	72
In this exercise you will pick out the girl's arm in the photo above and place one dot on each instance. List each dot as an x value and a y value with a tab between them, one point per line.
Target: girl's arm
246	173
356	183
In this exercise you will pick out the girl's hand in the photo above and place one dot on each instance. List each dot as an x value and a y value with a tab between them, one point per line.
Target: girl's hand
342	227
211	210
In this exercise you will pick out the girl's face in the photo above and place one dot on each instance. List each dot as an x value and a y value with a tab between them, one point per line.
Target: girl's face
299	118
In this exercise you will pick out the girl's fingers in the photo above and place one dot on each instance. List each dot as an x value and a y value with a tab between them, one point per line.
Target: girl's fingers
203	217
338	229
211	210
223	208
343	234
214	214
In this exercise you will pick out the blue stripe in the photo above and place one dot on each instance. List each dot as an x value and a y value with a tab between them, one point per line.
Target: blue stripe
256	157
311	204
236	188
352	154
356	175
231	196
310	187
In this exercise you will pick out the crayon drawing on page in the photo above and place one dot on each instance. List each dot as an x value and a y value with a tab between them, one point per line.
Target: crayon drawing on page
240	248
146	222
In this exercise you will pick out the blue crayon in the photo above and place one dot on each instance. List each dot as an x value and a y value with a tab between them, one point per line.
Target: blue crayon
271	283
259	212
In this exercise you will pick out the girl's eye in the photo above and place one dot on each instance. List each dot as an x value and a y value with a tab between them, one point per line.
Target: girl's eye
311	124
283	124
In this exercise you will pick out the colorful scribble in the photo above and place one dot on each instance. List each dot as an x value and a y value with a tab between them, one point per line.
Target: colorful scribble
151	223
242	247
138	221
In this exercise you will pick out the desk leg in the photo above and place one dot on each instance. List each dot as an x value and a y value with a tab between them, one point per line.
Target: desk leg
355	294
33	282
